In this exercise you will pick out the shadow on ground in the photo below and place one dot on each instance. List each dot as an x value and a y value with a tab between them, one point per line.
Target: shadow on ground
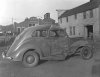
67	58
96	68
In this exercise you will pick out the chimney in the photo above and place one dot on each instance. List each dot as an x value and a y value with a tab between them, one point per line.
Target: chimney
47	15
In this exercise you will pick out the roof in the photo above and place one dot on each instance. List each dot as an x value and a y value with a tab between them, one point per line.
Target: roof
82	8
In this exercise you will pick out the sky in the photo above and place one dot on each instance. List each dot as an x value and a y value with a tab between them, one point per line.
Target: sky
20	9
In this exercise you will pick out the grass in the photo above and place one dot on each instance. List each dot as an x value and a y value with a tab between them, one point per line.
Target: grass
6	41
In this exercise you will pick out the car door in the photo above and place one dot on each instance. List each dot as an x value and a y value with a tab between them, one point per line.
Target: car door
59	42
43	42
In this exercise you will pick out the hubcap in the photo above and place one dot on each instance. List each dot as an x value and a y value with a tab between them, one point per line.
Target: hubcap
30	59
86	53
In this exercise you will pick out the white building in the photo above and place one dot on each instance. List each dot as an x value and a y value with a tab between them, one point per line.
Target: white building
82	20
60	12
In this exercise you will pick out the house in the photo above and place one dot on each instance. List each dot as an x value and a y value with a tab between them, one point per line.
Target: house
28	22
60	12
16	28
82	21
34	21
48	20
8	29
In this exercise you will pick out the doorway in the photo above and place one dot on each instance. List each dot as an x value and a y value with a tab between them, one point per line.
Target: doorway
89	31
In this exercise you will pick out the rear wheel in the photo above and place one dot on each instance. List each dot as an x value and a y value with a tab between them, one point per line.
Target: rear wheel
86	53
30	59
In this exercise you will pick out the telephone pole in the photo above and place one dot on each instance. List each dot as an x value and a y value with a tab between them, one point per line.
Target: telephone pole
13	25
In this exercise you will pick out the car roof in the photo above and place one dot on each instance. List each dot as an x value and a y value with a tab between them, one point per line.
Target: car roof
56	28
49	27
44	27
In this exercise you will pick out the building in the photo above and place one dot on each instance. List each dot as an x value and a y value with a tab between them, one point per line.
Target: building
16	28
28	22
0	28
33	21
60	12
48	20
8	29
82	21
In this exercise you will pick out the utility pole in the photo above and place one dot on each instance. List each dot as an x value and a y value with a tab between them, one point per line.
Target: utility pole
13	25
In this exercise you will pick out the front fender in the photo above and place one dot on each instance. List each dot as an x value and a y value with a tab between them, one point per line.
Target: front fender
79	44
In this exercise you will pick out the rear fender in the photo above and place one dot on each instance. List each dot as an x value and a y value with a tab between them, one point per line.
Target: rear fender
23	50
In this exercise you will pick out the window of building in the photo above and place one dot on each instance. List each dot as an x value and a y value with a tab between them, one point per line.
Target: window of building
70	30
18	29
91	13
75	16
84	15
61	20
30	25
73	30
66	19
33	24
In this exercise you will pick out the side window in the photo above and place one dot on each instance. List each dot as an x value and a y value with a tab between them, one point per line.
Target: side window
39	33
43	33
52	33
57	33
61	33
34	34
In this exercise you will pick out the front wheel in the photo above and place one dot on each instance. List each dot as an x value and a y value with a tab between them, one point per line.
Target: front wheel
30	59
86	53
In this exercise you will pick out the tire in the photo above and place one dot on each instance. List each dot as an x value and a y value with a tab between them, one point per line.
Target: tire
86	53
30	59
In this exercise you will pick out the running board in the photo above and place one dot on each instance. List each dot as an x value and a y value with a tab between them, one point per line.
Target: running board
54	57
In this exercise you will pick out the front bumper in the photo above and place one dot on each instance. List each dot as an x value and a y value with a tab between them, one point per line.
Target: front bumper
5	57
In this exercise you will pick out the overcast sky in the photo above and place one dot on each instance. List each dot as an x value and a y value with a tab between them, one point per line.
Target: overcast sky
20	9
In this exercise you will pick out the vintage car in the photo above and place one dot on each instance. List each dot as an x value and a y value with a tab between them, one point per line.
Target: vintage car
46	42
